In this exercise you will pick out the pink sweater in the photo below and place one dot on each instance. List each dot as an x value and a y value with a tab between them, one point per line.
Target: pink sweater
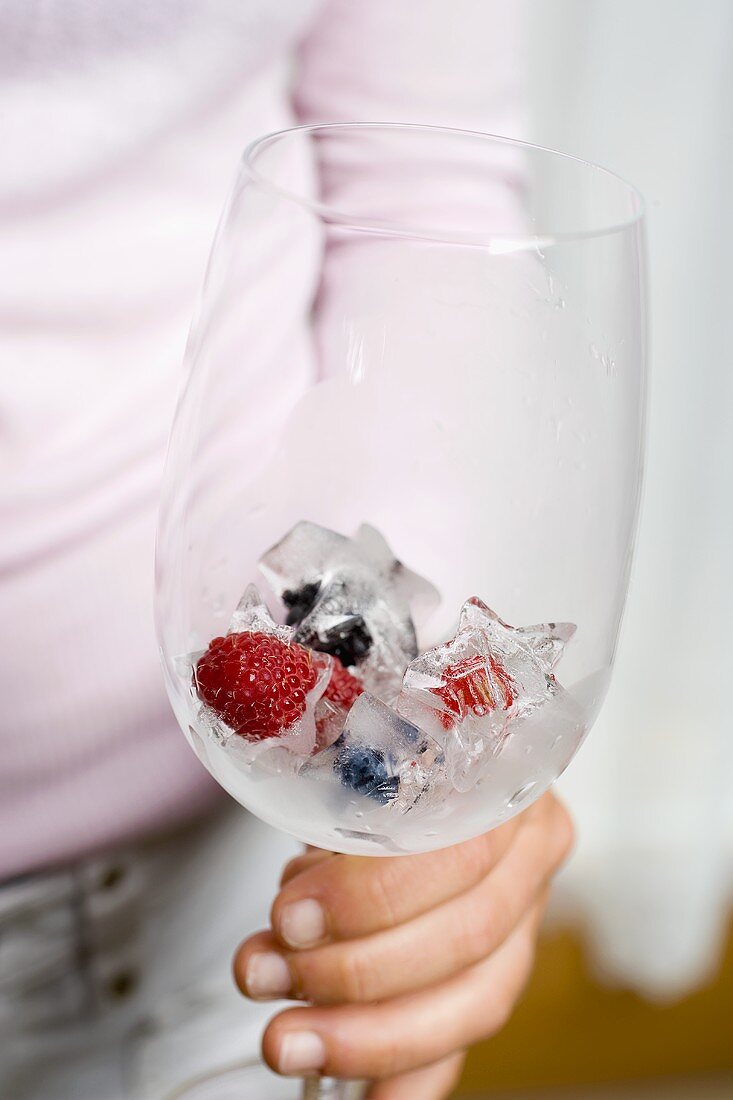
121	125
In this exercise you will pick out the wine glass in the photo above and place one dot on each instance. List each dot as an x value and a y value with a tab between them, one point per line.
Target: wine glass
414	415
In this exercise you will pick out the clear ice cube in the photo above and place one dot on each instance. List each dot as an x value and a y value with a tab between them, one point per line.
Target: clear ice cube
330	721
469	690
545	642
253	614
386	757
351	598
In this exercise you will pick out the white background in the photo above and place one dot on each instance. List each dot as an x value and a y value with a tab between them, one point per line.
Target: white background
646	89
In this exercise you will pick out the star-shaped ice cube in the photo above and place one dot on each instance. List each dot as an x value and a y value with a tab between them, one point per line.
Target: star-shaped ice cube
478	682
253	614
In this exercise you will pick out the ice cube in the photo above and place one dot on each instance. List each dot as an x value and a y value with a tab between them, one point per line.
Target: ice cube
469	690
386	757
545	641
209	723
252	614
351	598
330	722
467	744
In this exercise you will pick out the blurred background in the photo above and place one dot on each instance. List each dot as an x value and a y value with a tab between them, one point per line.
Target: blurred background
633	993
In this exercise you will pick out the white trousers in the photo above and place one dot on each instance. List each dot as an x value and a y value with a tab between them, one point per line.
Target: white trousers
115	973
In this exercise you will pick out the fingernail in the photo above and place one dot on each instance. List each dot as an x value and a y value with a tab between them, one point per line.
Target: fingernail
301	1052
303	923
267	975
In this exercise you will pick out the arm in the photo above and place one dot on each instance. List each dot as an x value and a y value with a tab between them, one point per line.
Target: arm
456	63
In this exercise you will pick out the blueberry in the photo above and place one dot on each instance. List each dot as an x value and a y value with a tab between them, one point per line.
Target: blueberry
365	770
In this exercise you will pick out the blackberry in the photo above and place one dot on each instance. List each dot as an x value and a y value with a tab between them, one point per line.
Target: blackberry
300	601
349	640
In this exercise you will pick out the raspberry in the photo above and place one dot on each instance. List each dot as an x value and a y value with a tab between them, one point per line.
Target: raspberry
343	689
474	686
255	682
341	692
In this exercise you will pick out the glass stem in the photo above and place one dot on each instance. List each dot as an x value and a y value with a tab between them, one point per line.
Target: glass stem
319	1088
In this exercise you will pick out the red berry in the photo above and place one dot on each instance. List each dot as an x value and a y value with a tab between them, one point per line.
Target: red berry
341	692
255	682
343	689
474	686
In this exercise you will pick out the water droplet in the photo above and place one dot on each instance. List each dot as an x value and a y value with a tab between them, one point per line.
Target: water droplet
359	813
521	795
432	832
527	750
605	358
557	741
560	303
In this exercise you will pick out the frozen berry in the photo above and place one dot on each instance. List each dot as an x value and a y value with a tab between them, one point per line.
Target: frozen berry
364	769
343	689
348	639
255	682
299	602
474	686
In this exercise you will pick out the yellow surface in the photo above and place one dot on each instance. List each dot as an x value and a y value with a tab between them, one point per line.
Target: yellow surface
569	1031
699	1087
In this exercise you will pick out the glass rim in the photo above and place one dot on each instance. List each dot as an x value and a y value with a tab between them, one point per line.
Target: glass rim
498	242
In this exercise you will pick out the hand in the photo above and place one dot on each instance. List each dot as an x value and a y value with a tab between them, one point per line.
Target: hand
405	960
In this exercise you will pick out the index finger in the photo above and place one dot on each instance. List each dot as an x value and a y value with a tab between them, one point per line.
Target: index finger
349	896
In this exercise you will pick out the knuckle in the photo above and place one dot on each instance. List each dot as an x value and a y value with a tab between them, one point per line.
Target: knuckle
501	1013
379	896
525	956
383	1055
354	976
292	868
472	857
495	1013
503	1004
478	933
389	1058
